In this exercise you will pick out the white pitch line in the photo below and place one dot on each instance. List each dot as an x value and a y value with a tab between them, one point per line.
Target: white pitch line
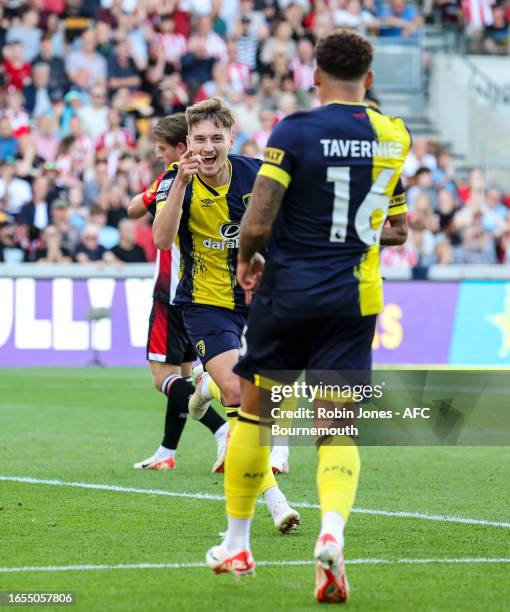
213	497
134	566
434	517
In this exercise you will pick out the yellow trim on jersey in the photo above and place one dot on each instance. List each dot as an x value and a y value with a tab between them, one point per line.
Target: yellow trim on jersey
277	174
387	129
398	205
397	210
370	282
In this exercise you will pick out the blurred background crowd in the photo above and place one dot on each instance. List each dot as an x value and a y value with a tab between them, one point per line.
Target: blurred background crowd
82	83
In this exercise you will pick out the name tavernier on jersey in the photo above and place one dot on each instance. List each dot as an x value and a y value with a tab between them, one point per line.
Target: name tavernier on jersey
341	164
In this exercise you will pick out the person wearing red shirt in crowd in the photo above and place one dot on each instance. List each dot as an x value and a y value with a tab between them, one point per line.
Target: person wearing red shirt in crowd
239	76
16	114
115	141
18	72
173	44
54	6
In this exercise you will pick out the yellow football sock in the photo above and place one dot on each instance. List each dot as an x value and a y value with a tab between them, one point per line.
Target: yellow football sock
214	390
337	475
231	411
269	479
246	467
232	414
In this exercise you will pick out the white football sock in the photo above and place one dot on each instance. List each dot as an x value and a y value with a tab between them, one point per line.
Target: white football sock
238	535
280	450
274	497
204	386
222	431
164	453
333	523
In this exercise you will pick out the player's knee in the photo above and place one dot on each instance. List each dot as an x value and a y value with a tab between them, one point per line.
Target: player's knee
231	393
186	369
160	373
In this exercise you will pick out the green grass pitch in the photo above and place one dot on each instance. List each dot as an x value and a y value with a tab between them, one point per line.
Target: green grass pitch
91	425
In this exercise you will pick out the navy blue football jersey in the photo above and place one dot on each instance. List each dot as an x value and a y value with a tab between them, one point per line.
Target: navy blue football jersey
341	166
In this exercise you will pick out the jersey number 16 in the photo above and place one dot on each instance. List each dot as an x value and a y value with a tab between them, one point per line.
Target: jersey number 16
371	214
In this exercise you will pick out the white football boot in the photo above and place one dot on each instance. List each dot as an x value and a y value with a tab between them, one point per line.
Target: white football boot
331	584
200	399
221	561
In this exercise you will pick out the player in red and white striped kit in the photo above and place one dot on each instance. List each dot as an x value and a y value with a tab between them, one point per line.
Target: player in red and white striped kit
169	351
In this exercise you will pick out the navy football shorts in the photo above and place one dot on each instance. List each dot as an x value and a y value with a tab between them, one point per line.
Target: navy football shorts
323	344
213	330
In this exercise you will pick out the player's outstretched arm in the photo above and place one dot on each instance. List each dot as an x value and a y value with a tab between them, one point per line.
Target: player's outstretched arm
396	232
166	223
136	208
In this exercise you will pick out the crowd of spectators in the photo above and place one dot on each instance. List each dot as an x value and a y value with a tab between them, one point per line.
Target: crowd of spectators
450	221
82	83
484	25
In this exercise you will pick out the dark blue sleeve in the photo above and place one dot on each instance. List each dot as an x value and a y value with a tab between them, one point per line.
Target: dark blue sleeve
283	146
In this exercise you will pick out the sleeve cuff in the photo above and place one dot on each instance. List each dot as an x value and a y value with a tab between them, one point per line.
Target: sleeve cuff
277	174
398	209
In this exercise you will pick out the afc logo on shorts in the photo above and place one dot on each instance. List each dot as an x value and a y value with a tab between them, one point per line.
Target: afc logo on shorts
200	346
247	199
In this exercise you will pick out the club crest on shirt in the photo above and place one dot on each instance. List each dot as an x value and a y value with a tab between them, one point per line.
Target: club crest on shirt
200	346
247	199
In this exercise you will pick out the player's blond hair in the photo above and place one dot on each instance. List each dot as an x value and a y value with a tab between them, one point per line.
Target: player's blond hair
210	110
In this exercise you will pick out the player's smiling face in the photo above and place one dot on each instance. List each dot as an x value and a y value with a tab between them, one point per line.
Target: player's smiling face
212	143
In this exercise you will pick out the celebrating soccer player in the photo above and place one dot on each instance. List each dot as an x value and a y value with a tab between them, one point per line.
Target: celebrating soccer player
327	195
203	199
169	350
